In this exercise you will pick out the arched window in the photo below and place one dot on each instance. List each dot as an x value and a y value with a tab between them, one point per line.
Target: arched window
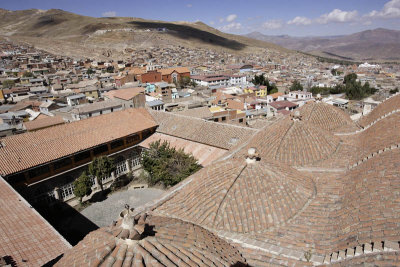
134	159
120	166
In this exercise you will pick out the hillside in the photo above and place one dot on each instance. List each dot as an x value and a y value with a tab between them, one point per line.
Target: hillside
371	45
75	35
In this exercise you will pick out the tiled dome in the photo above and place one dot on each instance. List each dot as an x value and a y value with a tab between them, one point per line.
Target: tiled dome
151	241
241	197
293	141
327	117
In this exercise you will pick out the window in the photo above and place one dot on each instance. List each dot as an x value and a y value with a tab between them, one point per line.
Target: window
240	120
133	138
120	166
223	118
67	191
112	109
100	149
62	163
90	114
117	143
134	159
39	171
101	112
82	156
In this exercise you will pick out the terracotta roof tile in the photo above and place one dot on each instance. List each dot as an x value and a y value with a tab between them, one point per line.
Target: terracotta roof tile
159	242
393	103
296	143
203	153
327	117
43	123
171	70
202	112
125	94
24	235
206	132
239	197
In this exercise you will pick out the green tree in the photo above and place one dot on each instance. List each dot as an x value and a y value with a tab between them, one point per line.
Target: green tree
90	71
101	168
27	74
350	78
354	89
110	69
261	80
8	83
184	81
296	86
83	186
167	165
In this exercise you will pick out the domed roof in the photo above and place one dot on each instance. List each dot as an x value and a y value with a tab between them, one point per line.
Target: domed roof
327	117
242	196
293	141
151	241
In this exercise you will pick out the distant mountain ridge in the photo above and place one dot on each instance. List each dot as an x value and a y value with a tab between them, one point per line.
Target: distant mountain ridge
64	32
370	45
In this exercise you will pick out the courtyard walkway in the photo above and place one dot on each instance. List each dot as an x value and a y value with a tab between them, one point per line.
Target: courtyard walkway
104	212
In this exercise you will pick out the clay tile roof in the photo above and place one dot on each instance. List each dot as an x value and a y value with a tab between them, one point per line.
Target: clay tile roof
276	95
282	104
96	106
205	154
327	117
151	241
201	112
296	143
235	104
374	185
20	152
383	133
125	94
43	123
210	133
171	70
236	197
389	105
137	71
24	235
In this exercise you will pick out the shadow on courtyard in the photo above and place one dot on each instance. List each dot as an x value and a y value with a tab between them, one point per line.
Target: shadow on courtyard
71	224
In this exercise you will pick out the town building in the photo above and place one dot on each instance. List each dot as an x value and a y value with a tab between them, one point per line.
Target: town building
52	158
128	97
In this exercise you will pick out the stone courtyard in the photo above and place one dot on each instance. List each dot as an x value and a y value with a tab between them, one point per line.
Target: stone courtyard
104	212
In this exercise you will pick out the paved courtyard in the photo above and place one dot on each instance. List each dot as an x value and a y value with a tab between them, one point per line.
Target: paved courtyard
103	213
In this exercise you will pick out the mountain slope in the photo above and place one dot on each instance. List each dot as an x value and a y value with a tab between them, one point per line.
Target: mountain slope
79	35
376	45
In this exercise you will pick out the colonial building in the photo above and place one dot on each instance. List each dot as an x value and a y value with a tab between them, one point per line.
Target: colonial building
128	97
43	164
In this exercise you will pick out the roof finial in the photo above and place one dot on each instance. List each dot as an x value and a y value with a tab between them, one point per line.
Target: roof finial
296	116
318	98
252	155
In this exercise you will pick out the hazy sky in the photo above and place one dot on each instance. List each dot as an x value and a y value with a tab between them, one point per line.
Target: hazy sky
293	17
